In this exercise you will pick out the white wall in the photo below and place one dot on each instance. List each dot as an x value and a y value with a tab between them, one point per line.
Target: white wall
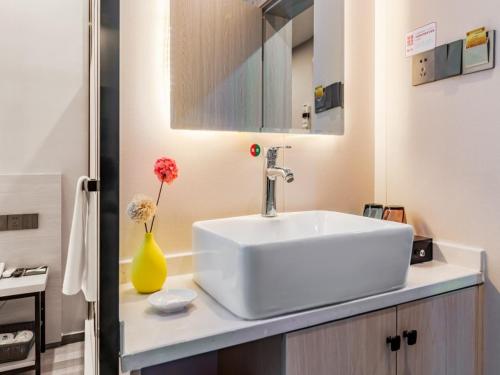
217	176
437	144
43	96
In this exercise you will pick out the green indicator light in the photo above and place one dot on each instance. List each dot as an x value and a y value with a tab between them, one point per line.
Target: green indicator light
255	150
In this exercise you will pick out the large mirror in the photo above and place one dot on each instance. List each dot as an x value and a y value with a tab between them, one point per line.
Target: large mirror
262	66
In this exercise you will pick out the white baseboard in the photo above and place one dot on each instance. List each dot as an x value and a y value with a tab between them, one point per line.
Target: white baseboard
460	255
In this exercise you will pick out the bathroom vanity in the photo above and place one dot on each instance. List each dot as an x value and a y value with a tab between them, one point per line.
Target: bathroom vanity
434	322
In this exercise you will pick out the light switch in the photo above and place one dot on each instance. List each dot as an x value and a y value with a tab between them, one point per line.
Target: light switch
330	97
3	222
26	222
448	60
34	221
423	68
18	222
30	221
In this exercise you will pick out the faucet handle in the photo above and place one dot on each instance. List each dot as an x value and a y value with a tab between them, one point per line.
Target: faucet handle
272	154
273	150
276	148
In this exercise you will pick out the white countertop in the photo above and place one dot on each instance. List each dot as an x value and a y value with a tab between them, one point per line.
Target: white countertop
23	285
149	339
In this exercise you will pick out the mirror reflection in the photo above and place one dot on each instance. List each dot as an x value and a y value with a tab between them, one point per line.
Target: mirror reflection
273	66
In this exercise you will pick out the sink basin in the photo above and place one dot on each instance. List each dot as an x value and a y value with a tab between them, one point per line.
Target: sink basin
262	267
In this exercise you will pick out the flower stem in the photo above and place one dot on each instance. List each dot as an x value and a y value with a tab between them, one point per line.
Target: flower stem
146	227
157	202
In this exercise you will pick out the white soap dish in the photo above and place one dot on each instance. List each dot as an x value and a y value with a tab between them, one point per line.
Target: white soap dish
171	300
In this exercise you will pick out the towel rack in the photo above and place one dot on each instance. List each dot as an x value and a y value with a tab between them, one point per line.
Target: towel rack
91	185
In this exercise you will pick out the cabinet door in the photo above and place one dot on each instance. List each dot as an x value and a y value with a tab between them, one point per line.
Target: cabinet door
355	346
448	328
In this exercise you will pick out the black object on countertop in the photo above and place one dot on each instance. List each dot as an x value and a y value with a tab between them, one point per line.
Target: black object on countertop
422	250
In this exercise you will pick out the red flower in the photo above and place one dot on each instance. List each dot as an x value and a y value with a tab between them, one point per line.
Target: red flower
166	170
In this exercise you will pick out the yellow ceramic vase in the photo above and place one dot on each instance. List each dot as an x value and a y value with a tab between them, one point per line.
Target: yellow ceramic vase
149	267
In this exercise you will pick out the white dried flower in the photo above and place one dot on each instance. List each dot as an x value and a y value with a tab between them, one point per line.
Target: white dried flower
141	209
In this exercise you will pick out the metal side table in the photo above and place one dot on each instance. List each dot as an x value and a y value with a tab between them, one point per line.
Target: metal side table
27	287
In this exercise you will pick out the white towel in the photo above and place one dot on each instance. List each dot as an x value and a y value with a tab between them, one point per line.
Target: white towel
81	264
89	284
89	356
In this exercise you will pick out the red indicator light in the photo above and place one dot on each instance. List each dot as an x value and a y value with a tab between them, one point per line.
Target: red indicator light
255	150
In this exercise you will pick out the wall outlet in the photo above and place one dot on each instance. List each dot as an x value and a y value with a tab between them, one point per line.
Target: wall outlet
14	222
423	68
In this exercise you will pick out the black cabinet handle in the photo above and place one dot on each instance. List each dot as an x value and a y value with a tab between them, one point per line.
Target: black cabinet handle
410	336
395	342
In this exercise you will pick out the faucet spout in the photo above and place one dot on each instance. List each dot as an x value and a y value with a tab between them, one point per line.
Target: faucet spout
285	173
289	177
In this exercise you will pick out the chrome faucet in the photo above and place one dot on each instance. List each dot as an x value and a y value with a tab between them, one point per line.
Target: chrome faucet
271	171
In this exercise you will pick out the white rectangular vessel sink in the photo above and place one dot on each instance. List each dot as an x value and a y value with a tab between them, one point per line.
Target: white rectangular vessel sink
260	267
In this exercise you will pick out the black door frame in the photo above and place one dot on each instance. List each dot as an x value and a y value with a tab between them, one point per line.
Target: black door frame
109	167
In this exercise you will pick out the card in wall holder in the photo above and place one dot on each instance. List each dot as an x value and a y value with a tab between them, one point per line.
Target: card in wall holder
480	57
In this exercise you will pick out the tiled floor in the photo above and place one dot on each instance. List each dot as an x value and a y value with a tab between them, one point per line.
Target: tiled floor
64	360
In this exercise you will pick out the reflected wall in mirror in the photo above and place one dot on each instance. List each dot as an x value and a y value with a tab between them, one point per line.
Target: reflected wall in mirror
254	65
303	50
215	65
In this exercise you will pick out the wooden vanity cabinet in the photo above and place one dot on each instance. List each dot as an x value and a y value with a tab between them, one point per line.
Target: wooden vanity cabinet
441	335
438	336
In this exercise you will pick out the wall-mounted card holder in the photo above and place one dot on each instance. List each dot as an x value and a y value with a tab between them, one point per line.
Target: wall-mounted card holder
329	97
480	57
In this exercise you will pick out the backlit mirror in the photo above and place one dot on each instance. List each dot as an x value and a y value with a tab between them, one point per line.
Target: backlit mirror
262	66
